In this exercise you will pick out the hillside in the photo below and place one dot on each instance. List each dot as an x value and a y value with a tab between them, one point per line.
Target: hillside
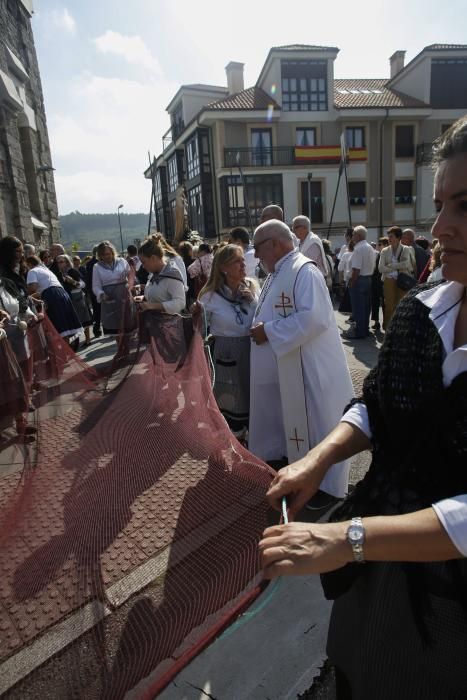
89	229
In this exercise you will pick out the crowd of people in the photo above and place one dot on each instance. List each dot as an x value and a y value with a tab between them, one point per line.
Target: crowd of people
393	557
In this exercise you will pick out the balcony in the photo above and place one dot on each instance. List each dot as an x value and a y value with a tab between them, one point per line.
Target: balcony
424	153
167	139
289	155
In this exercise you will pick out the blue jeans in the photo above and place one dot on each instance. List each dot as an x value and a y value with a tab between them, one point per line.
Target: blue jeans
360	296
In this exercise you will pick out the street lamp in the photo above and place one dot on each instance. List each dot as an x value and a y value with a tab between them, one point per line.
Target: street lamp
120	206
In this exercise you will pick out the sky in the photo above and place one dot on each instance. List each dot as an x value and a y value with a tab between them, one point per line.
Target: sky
109	68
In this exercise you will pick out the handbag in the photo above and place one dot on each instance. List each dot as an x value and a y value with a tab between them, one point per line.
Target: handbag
404	281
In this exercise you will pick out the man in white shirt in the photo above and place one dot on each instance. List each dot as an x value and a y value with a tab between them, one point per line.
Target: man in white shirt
300	382
309	243
363	265
240	236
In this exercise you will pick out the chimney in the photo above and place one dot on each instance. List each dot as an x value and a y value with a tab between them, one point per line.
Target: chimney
397	62
234	72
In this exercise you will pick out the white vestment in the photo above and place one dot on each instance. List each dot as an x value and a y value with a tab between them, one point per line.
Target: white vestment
299	322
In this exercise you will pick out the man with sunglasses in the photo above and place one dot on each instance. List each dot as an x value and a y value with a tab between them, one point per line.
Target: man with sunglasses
300	383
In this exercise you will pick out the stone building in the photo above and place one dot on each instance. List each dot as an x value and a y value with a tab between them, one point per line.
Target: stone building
286	131
28	202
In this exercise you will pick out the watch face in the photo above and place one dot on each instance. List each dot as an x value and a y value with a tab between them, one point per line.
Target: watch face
354	533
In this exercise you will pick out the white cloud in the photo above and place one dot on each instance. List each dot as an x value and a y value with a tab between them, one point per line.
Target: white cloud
100	142
131	48
62	19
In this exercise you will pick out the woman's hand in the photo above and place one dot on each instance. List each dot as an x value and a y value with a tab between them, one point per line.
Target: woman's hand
304	548
4	317
298	482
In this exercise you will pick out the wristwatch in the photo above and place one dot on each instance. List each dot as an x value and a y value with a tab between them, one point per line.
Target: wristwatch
356	538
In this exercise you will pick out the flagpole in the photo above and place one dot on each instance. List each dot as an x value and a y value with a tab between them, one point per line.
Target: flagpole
344	163
245	198
335	200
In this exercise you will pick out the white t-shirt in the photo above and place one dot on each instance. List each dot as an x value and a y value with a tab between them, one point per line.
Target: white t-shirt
43	277
363	258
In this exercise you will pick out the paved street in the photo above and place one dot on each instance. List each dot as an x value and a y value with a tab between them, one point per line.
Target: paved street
275	650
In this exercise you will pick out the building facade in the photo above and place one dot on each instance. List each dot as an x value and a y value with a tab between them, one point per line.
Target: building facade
28	202
235	150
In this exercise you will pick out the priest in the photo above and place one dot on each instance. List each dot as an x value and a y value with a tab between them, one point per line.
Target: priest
300	382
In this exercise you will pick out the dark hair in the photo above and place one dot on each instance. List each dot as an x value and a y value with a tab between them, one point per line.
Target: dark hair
33	260
43	254
452	143
8	247
152	246
239	233
396	231
204	248
422	242
131	249
349	231
351	245
384	240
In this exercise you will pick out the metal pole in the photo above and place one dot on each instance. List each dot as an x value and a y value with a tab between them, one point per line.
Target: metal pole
120	226
334	202
348	197
245	198
310	175
153	191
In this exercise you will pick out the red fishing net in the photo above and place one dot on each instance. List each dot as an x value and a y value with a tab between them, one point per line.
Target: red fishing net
128	525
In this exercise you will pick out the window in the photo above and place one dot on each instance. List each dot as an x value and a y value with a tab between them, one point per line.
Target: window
304	86
195	209
316	213
261	190
205	159
305	137
172	222
192	158
158	186
357	193
448	83
405	147
403	192
355	136
178	124
261	143
173	173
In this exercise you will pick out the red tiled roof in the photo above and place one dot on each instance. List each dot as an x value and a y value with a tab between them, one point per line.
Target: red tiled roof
361	93
251	98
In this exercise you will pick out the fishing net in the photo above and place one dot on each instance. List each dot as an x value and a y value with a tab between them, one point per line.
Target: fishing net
129	522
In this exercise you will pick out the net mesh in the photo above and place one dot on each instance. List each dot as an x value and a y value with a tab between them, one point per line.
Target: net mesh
128	524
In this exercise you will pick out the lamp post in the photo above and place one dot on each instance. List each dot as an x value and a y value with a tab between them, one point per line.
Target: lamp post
120	206
310	176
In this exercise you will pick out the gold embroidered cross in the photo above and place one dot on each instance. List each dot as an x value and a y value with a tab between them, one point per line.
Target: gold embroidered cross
296	439
284	305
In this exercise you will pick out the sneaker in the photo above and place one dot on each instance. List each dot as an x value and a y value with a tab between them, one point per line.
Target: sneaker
321	501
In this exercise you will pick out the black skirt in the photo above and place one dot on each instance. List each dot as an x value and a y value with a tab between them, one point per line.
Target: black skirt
60	311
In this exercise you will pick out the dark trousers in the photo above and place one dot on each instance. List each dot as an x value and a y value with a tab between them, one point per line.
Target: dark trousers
360	296
377	297
96	313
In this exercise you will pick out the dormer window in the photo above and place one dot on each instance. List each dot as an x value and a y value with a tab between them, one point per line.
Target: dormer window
449	83
304	86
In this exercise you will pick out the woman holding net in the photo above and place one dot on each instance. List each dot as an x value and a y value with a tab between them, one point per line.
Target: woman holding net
394	560
228	302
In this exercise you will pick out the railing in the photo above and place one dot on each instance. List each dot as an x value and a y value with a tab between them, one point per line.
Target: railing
289	155
167	139
258	157
424	153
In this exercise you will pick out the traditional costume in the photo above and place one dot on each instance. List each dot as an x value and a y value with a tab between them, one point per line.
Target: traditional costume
300	382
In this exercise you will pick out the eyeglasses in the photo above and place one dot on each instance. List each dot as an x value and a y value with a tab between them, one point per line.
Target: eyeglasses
257	245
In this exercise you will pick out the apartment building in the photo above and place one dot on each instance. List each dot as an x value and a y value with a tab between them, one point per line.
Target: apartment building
284	135
28	202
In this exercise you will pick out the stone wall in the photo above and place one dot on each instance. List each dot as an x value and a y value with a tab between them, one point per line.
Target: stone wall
26	188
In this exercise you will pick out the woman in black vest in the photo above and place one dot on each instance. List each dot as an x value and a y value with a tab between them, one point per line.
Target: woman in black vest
394	559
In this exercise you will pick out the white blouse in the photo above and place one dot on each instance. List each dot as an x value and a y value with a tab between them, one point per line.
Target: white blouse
228	319
103	275
452	512
43	277
166	290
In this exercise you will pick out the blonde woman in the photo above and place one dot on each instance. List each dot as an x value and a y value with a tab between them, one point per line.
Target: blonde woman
110	285
229	301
